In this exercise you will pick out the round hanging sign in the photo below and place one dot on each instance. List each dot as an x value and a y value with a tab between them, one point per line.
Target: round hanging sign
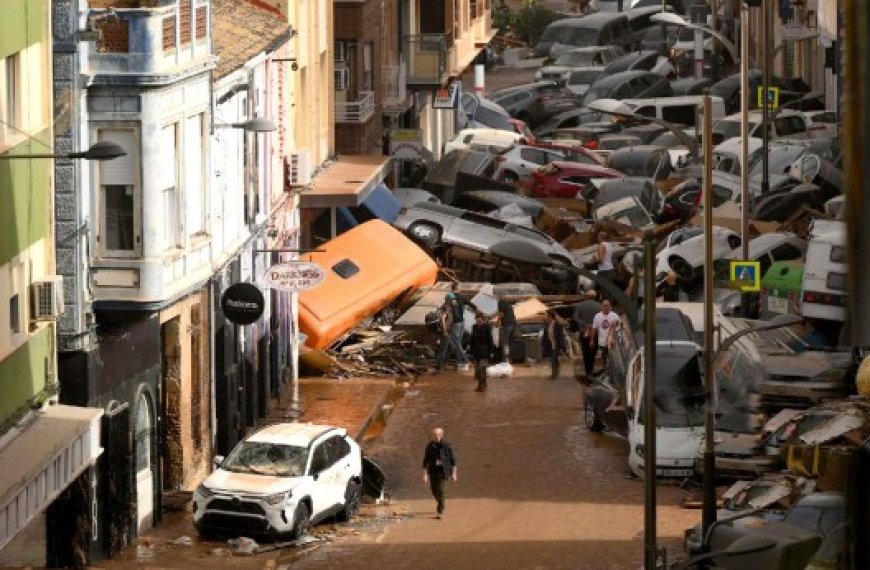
242	303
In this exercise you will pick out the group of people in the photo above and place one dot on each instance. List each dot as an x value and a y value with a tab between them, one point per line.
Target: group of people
490	336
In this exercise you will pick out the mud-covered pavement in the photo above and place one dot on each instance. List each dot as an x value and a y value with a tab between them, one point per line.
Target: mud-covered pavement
535	489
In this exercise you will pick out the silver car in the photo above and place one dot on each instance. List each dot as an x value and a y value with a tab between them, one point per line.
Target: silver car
431	224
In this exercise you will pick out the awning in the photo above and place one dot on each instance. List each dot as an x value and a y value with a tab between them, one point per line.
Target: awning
471	55
42	461
346	183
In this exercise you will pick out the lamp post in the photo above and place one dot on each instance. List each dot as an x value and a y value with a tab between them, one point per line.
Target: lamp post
98	151
744	144
672	19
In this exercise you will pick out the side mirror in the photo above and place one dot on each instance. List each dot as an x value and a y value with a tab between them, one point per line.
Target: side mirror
218	459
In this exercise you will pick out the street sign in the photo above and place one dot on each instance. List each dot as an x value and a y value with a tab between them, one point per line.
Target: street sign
294	276
772	97
447	97
242	303
746	275
406	144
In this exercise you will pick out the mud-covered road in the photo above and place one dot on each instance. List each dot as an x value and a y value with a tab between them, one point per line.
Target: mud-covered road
535	489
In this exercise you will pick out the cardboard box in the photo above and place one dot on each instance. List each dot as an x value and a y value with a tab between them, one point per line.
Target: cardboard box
579	240
575	205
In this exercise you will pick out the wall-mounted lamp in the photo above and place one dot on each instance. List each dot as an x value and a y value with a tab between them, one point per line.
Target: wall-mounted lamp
293	65
255	125
98	151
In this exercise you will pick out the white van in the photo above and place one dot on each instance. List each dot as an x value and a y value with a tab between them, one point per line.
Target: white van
683	110
493	141
823	294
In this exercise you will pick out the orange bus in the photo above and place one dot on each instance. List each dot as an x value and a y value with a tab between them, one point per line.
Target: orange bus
367	268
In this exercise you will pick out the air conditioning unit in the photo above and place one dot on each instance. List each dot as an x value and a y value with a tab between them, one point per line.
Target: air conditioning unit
342	79
46	298
339	50
298	169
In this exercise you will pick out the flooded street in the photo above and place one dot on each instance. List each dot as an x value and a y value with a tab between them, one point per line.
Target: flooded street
535	489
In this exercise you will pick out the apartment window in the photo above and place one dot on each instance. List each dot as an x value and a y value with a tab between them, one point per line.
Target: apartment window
194	188
10	96
118	196
169	185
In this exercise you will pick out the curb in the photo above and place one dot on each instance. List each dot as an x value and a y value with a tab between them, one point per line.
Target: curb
375	412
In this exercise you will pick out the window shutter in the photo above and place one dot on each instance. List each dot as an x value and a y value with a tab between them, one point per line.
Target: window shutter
121	170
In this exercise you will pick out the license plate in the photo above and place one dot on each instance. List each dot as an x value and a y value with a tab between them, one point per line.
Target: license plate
674	472
777	304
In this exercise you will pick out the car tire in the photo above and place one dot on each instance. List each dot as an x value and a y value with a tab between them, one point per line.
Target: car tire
427	234
733	242
301	521
352	497
592	422
682	268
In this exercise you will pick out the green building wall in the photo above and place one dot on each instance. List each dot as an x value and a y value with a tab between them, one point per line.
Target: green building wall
26	218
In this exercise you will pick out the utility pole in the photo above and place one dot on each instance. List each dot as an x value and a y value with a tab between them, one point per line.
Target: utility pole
765	109
649	403
745	198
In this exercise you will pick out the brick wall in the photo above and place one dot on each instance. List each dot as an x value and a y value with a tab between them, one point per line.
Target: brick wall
184	15
201	22
116	37
169	33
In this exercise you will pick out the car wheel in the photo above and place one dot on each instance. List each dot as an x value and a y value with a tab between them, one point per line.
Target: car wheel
682	268
592	421
426	234
352	496
301	521
510	177
733	242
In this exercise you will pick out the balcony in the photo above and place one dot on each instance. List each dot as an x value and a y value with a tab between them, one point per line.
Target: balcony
151	42
428	58
358	111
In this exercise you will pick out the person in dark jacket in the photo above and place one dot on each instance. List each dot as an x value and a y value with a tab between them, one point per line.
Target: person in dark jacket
439	464
482	348
584	314
553	342
508	324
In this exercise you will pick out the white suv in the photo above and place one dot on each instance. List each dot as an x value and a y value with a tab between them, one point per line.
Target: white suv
281	480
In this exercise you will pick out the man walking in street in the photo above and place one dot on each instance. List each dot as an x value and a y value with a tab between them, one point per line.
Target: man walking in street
584	314
481	348
604	323
457	304
439	464
553	342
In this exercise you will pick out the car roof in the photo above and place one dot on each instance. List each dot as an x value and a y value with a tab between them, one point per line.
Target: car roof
592	169
502	197
440	208
622	76
675	100
542	84
595	20
298	434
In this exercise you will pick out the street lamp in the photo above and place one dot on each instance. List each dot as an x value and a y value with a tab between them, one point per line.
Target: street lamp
620	109
102	150
671	19
255	125
708	513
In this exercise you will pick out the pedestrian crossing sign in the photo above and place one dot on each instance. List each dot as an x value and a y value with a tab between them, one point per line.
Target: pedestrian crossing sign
746	275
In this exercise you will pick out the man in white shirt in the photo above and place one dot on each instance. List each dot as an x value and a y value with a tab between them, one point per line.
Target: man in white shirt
603	325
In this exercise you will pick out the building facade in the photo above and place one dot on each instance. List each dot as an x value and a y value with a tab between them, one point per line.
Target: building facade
44	447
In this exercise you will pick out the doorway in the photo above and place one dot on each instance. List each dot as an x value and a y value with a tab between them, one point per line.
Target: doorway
145	481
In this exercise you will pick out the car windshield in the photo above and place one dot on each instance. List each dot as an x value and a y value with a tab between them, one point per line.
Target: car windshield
630	165
264	458
574	59
679	391
730	129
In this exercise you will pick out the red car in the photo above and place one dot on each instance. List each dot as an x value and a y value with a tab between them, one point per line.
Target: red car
566	179
573	152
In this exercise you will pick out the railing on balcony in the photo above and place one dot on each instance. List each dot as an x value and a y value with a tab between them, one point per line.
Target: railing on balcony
395	85
428	58
358	111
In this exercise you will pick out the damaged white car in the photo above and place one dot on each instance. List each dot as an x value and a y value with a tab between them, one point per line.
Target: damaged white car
281	480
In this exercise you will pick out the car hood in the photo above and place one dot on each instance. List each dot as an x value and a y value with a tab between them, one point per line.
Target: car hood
678	443
248	483
737	444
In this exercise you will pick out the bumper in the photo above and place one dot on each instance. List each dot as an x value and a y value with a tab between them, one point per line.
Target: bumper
226	513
